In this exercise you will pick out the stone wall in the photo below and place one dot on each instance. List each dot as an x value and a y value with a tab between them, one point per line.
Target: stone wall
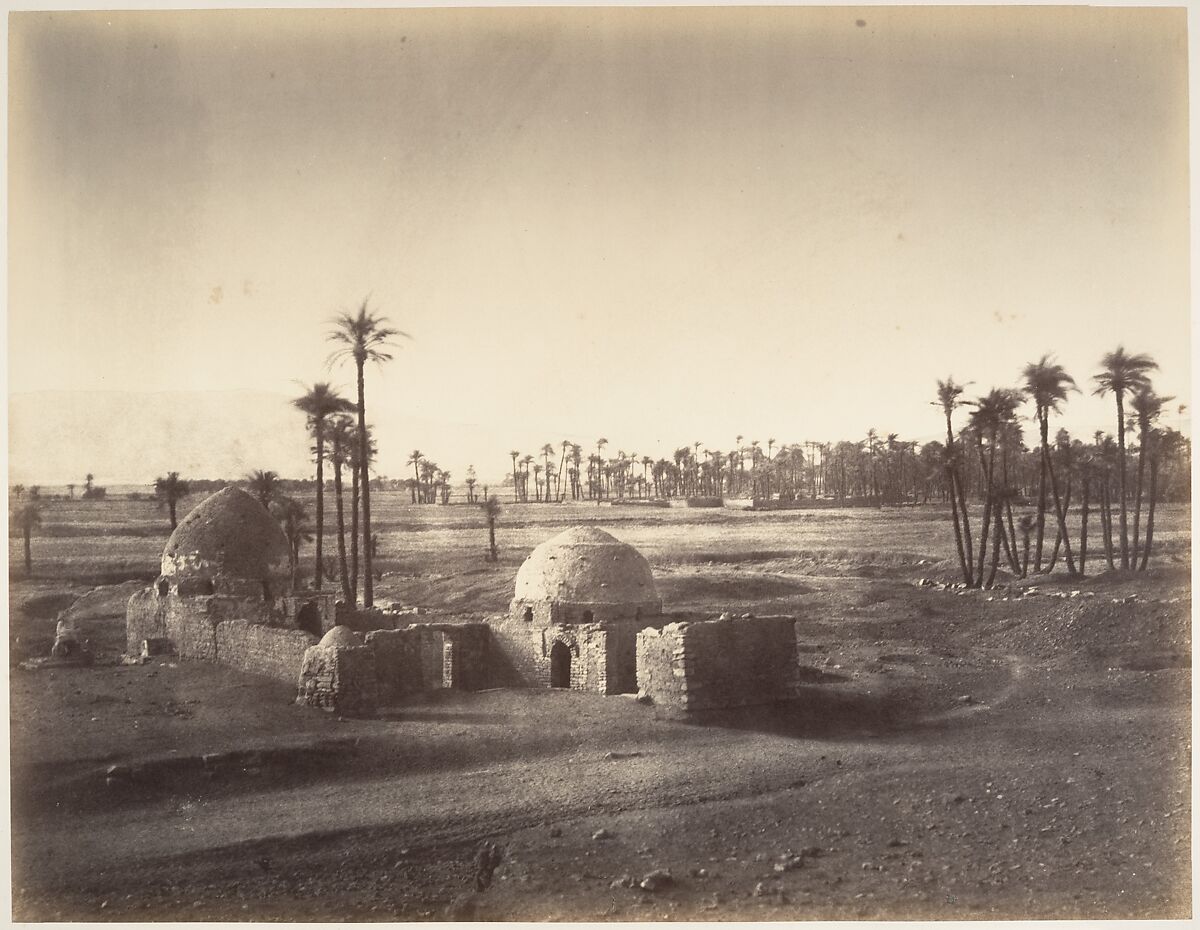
713	664
264	650
339	679
522	655
215	628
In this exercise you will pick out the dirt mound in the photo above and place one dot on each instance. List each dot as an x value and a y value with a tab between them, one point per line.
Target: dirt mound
104	601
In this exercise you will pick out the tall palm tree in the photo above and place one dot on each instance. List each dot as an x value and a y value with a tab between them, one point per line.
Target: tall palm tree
600	444
991	414
414	459
1121	373
1147	406
25	517
948	393
1047	385
362	337
264	485
318	403
341	439
354	460
169	491
516	481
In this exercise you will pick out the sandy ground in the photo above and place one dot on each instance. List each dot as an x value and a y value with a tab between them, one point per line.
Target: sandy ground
950	756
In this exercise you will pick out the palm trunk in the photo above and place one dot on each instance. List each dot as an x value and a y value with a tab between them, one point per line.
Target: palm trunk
365	466
347	593
1150	515
987	510
1062	518
966	520
27	531
997	536
958	541
1044	426
1025	556
1124	508
1137	510
492	538
319	573
1083	539
171	511
354	495
1058	535
1106	521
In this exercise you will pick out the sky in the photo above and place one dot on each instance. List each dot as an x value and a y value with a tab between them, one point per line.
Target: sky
659	226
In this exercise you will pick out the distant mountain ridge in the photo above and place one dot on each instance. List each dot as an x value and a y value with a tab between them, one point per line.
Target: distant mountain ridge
127	437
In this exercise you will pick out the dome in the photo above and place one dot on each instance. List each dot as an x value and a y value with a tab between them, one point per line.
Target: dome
586	565
229	534
340	637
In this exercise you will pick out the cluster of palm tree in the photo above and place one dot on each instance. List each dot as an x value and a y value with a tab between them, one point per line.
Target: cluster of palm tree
430	484
872	470
170	489
987	459
342	436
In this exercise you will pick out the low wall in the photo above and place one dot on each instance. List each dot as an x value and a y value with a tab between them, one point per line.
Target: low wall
264	650
714	664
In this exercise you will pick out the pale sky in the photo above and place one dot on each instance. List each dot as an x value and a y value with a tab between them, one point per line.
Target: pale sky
658	226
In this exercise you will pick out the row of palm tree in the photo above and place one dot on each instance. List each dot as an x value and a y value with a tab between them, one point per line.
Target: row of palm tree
994	436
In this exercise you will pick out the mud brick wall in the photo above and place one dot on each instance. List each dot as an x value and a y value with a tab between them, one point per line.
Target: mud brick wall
264	650
339	679
712	664
430	655
407	660
466	656
145	618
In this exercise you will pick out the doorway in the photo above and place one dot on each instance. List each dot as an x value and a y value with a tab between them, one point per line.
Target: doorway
560	665
309	618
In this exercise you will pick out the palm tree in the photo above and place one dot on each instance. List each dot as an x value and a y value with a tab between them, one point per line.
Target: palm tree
71	490
1047	385
354	460
1120	373
264	485
948	393
600	444
414	459
516	481
169	491
991	414
341	438
318	404
25	518
362	337
292	517
1147	406
491	510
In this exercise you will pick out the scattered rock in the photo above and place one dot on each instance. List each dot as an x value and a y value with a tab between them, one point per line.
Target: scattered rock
601	834
657	880
625	881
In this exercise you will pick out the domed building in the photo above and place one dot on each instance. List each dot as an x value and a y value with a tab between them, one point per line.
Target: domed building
580	600
226	560
228	545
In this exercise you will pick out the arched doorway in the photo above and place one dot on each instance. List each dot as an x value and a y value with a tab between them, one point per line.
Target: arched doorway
309	618
560	665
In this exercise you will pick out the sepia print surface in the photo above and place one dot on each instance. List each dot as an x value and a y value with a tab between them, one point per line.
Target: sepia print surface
599	464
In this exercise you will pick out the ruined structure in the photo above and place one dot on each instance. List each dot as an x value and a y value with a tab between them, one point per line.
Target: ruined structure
580	600
224	592
711	664
585	615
